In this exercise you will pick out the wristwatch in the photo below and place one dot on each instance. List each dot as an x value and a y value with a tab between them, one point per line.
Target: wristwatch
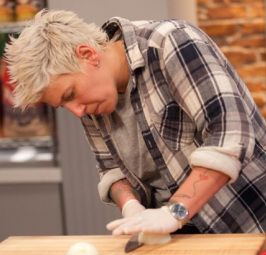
179	211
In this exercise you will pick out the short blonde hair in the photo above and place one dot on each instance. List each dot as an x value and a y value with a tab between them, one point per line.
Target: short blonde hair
46	48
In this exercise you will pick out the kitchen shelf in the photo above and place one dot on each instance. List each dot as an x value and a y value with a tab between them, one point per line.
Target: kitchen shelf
38	141
13	27
32	151
30	175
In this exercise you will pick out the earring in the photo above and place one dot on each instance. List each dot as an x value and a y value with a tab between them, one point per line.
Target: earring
98	64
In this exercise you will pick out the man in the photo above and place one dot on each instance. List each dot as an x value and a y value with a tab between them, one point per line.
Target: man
179	143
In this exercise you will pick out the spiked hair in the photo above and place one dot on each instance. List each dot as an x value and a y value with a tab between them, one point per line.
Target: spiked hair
46	48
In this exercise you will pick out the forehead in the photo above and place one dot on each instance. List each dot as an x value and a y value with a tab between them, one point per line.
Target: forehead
52	93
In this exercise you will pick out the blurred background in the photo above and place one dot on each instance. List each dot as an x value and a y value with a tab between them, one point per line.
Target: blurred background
48	180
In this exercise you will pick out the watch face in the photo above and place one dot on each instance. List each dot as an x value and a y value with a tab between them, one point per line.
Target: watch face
179	211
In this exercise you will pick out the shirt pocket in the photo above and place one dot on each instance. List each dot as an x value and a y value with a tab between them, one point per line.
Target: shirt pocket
174	126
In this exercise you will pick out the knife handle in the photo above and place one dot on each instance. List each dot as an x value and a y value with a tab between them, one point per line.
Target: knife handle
263	249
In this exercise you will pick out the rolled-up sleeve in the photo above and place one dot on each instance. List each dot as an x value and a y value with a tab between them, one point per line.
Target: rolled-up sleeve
213	96
212	158
108	169
106	181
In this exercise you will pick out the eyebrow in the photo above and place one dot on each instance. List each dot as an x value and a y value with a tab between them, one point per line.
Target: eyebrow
64	97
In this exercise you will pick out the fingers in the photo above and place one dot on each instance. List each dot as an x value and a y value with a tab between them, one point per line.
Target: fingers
116	223
125	226
128	228
155	221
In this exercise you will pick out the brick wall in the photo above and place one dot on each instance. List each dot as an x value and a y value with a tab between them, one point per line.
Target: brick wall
239	28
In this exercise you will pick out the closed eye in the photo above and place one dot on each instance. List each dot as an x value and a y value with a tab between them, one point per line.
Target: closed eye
68	95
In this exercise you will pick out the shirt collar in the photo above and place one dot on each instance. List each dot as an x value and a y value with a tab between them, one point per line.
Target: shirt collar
134	55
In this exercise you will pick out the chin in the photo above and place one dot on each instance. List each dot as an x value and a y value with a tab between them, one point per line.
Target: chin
106	108
108	112
110	108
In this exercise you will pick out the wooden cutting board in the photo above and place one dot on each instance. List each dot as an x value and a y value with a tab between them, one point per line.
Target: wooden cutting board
205	244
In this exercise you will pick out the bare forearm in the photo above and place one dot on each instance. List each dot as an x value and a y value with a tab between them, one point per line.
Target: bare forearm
198	188
122	191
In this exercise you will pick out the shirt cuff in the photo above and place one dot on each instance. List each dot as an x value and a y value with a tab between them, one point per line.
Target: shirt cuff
217	161
106	182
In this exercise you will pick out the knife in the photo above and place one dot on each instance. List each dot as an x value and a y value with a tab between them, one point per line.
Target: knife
263	249
133	243
137	240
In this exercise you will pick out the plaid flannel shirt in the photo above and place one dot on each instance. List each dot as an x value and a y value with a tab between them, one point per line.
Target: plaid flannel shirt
192	109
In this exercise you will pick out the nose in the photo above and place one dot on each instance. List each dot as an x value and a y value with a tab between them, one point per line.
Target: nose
76	109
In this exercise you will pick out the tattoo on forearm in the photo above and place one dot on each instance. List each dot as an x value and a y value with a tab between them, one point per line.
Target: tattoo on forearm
202	177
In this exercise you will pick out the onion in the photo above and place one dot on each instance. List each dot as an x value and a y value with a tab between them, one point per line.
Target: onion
82	248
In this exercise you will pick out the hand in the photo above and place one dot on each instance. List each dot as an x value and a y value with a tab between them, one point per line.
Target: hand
157	221
131	208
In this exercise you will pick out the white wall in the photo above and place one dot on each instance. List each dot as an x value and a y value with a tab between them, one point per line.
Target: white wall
99	11
183	9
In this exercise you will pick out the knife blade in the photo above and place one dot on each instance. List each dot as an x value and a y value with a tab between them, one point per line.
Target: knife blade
137	240
133	243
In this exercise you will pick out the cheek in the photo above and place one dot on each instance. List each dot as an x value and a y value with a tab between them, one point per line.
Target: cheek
111	97
100	87
115	99
109	89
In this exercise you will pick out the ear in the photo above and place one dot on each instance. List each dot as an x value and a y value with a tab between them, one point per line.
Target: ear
85	52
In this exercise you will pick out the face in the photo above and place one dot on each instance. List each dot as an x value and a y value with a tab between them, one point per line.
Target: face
90	92
93	90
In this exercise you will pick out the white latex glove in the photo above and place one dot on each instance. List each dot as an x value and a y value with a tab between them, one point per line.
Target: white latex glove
131	208
157	221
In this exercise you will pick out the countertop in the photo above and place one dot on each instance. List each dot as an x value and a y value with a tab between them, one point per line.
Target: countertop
200	244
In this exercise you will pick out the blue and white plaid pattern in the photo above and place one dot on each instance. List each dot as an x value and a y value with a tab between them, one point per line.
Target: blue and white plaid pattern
187	98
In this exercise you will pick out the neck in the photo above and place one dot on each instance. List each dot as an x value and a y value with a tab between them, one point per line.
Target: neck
121	67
